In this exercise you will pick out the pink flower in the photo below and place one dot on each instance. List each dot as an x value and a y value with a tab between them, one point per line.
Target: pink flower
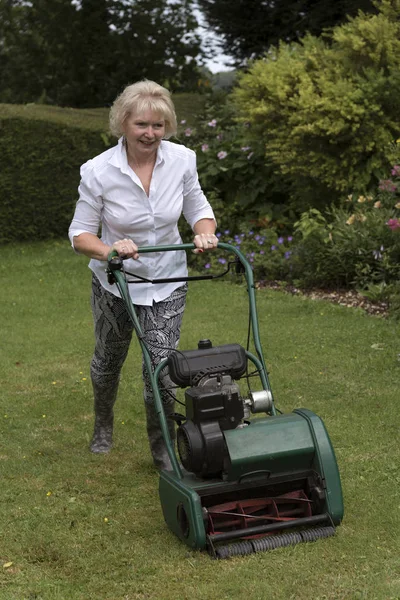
396	170
393	224
387	185
188	132
222	154
204	148
212	123
183	121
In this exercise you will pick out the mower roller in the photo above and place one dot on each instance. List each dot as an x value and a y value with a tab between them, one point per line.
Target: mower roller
242	483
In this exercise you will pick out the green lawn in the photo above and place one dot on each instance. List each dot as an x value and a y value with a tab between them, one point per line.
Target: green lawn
76	526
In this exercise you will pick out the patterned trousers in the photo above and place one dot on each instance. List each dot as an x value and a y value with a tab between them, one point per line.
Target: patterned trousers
160	324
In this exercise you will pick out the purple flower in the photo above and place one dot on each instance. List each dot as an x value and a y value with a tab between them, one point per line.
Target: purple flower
222	154
222	261
188	132
218	234
226	232
212	123
281	240
204	148
387	185
290	238
273	247
207	266
262	251
251	232
287	254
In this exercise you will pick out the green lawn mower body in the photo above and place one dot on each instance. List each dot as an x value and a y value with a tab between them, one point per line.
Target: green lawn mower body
245	482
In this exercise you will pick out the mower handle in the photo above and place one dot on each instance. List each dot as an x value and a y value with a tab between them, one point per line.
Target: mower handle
176	247
115	268
147	249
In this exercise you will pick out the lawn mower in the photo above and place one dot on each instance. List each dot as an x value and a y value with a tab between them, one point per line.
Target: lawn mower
248	478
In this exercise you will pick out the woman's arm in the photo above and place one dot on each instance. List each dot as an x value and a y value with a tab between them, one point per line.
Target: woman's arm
204	226
90	245
87	219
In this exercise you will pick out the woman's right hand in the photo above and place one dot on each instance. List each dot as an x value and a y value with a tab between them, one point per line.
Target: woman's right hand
126	248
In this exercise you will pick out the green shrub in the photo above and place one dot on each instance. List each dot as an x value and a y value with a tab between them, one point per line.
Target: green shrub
40	156
245	190
355	245
326	108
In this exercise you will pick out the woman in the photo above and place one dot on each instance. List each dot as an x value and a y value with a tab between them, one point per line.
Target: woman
136	191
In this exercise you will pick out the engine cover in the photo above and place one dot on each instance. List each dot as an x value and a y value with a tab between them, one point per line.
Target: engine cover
213	406
202	448
187	368
223	406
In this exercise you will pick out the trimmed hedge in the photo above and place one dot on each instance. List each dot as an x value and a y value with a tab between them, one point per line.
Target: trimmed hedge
41	150
40	155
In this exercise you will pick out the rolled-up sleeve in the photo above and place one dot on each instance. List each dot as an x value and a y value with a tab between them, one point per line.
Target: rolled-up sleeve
89	207
195	204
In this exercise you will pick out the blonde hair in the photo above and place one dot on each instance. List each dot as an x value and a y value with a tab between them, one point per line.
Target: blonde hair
138	98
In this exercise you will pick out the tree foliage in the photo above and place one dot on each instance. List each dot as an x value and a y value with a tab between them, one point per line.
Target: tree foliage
327	112
83	54
249	27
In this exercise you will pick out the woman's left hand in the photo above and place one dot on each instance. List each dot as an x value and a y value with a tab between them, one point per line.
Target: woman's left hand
205	241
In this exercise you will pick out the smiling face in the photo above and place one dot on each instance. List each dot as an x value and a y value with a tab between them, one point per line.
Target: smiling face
143	133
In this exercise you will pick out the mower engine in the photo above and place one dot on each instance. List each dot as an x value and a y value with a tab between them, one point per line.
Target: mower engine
213	404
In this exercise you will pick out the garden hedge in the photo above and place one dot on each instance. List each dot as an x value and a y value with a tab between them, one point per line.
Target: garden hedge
41	150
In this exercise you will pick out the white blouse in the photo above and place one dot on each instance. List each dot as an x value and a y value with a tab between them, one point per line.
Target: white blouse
111	195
